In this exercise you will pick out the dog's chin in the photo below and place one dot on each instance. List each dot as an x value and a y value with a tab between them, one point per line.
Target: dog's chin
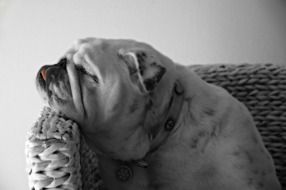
59	96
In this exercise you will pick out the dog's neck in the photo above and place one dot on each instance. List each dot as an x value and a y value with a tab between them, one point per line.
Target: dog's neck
165	123
160	132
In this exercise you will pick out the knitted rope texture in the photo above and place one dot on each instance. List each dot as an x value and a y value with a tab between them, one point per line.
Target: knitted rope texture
262	88
52	153
89	170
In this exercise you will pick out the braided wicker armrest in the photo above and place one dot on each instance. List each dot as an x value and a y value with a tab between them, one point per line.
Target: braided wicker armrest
58	157
52	152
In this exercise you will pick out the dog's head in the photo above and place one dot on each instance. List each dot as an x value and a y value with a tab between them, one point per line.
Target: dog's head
113	89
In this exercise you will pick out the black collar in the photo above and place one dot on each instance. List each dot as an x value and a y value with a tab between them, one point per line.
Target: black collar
168	125
158	136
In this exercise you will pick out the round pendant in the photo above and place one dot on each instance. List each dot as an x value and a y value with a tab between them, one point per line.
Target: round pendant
124	173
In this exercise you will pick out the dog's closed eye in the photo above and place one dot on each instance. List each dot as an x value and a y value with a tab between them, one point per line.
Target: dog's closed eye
82	70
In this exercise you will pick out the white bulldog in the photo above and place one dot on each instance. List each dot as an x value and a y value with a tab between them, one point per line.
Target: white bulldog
155	124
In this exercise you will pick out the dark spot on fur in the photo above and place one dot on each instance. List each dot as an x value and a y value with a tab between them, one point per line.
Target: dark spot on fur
248	156
150	84
202	133
200	138
194	142
141	62
141	56
149	104
256	172
260	185
116	106
209	111
141	69
263	173
161	72
236	153
254	183
250	181
133	107
207	171
213	132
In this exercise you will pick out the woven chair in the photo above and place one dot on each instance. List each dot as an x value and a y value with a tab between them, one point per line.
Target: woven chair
58	157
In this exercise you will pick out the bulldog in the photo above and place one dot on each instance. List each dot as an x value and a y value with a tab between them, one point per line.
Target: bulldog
155	124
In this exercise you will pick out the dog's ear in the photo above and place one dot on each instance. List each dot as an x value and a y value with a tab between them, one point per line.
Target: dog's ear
144	69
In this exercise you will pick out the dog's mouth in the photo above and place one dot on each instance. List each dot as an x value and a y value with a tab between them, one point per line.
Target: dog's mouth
59	84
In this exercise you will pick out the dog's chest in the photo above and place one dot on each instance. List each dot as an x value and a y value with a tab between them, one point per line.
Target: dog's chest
176	167
123	176
163	172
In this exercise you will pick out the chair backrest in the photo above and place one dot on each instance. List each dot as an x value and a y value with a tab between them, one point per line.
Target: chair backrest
261	87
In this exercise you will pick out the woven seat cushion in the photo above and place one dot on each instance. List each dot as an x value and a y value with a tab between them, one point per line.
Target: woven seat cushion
52	152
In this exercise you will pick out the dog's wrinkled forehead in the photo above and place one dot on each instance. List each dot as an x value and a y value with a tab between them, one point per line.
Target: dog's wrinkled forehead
141	60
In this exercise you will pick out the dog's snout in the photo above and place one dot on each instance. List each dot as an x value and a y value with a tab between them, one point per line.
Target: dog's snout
53	69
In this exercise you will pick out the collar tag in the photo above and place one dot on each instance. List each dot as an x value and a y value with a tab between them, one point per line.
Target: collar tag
170	124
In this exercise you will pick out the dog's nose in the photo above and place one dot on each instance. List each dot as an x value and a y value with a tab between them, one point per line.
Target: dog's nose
60	65
44	73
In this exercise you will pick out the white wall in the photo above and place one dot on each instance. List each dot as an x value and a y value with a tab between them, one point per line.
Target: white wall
36	32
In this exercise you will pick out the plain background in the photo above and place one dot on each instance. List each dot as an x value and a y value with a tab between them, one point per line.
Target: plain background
37	32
